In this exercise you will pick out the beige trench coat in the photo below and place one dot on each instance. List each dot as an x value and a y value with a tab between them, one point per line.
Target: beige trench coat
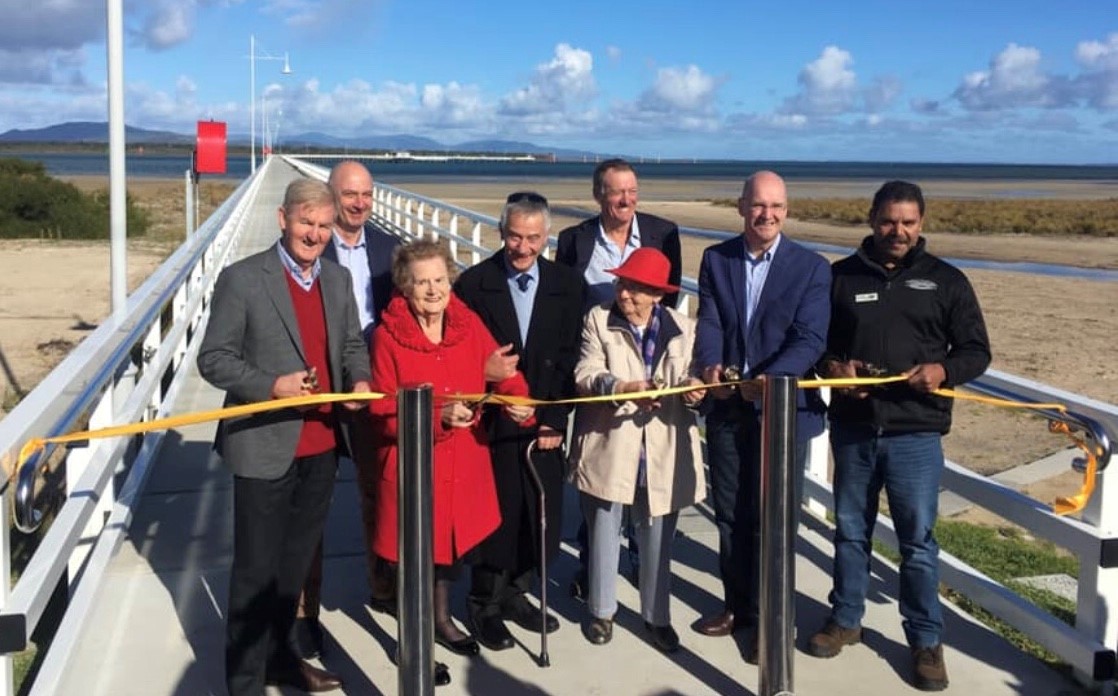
607	436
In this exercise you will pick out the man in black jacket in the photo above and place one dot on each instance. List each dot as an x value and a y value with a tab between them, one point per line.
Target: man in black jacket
895	309
533	306
606	240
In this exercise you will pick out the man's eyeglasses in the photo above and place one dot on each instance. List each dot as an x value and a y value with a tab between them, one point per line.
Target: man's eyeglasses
526	197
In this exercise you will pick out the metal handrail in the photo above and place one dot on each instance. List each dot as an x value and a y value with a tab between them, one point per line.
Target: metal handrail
149	299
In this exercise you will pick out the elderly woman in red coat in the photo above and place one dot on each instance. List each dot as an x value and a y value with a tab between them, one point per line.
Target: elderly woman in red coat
426	334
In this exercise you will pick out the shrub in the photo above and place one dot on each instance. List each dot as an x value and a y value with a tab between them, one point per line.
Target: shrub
34	205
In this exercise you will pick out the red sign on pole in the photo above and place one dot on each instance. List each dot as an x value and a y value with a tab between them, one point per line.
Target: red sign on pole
210	148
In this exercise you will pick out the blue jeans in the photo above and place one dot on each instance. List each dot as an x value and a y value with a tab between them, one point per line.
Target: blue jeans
909	466
734	457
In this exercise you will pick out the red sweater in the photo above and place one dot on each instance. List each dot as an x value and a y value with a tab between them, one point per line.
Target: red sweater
318	424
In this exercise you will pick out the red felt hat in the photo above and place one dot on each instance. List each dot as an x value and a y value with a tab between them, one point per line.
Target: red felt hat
647	266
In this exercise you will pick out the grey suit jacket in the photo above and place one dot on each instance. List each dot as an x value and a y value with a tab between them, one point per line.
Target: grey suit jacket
253	338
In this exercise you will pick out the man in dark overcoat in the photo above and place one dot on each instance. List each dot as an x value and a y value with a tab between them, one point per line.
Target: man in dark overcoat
533	307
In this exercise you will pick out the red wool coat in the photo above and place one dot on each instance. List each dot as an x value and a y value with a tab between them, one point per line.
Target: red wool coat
465	495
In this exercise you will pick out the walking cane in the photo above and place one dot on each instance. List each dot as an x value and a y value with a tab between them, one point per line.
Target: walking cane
544	660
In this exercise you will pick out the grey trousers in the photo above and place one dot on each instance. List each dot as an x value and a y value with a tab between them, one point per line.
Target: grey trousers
654	535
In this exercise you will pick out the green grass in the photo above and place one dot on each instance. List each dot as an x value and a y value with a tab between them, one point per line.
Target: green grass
1005	553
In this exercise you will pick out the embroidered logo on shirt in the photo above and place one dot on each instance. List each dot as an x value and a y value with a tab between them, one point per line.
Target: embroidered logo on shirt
866	297
920	284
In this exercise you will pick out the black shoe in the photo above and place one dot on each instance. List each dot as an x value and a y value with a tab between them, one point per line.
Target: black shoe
521	612
462	646
306	638
490	631
303	677
599	631
663	637
383	605
442	674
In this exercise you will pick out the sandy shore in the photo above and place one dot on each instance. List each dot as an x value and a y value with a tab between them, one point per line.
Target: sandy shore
1055	330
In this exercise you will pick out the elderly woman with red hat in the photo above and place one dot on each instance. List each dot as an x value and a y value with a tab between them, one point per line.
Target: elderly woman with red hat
643	453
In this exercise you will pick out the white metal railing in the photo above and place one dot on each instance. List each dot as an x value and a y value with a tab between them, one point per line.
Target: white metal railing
1089	646
128	370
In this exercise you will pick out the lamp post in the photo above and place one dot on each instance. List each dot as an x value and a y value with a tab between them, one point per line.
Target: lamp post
252	58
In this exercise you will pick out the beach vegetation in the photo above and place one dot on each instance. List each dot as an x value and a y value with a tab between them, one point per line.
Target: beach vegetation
34	205
1080	218
1007	554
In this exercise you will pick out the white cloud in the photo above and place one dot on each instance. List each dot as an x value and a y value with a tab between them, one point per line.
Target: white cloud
565	80
827	85
170	23
1098	84
1015	79
50	24
680	90
453	105
881	94
613	53
320	16
926	107
28	66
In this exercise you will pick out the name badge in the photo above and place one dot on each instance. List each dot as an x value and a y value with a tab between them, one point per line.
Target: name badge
866	297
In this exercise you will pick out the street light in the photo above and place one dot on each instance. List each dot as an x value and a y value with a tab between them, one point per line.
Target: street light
270	126
252	58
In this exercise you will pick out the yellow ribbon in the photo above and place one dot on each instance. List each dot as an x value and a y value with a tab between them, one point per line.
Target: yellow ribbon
36	445
1062	506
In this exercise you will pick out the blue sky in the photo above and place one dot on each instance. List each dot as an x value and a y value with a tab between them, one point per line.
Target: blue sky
973	81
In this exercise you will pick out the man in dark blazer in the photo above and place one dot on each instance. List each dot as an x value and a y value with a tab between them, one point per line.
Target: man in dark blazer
536	306
764	307
603	242
283	323
365	251
606	240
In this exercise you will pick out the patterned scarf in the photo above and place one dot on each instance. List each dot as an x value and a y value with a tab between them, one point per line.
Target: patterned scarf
647	345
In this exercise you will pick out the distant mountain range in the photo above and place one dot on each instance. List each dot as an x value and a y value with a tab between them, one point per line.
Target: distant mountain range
86	132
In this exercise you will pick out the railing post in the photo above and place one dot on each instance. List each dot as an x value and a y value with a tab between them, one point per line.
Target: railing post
189	203
817	463
778	536
416	568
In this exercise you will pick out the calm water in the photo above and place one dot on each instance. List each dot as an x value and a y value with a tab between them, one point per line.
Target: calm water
434	172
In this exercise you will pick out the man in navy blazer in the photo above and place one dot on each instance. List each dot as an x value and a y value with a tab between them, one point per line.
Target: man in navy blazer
764	308
365	251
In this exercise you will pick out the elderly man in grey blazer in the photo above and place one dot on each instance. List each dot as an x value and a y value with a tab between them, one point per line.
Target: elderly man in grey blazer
283	323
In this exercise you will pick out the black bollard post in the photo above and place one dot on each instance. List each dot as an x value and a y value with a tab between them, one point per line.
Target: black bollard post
416	569
778	537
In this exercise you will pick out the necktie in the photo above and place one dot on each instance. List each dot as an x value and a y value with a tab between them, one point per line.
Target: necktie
522	281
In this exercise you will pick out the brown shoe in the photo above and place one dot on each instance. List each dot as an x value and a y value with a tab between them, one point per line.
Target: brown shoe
718	625
304	677
929	673
832	638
